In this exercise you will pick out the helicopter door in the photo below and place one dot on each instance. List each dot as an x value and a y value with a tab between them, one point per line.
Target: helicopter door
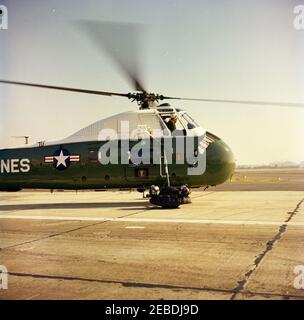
141	168
178	166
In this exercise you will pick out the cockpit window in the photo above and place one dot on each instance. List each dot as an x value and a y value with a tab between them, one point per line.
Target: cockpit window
191	124
174	125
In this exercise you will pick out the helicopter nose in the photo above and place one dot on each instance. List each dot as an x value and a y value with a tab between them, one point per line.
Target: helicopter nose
220	162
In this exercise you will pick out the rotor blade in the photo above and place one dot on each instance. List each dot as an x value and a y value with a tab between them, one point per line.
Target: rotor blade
101	93
121	42
262	103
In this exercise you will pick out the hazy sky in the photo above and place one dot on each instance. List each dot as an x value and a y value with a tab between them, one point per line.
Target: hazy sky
237	49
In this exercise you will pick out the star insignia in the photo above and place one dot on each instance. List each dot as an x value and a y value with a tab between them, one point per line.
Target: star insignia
61	159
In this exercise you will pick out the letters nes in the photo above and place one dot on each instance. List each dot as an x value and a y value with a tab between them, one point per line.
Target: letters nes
15	166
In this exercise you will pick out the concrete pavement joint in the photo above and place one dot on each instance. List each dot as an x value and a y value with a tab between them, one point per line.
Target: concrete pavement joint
121	282
51	236
131	284
269	246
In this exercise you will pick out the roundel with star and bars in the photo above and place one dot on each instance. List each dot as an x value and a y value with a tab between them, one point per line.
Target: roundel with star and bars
61	159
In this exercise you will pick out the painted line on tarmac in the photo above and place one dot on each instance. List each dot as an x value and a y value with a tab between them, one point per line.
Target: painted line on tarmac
149	220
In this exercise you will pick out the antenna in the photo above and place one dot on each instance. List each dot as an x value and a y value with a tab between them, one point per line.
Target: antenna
26	138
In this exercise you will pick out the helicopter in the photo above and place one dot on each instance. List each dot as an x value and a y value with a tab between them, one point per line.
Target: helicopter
81	161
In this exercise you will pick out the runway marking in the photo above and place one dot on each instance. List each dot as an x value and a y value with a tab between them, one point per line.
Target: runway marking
135	227
26	249
122	219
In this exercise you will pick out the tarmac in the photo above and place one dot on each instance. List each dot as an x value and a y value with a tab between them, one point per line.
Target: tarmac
115	245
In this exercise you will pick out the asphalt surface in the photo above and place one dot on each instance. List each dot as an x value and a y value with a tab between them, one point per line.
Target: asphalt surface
114	245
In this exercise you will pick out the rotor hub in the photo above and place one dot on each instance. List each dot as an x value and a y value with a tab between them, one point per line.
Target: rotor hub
144	99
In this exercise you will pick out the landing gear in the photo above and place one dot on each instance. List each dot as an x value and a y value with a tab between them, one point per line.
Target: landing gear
169	197
142	190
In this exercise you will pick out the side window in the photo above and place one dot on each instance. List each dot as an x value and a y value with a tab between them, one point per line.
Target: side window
141	172
174	125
